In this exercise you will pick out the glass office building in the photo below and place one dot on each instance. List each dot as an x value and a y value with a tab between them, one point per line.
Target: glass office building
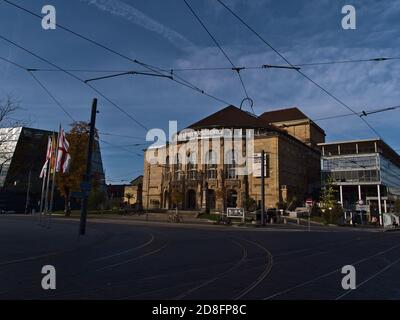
366	172
22	155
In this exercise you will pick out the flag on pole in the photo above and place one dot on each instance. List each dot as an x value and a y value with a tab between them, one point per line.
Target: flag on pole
53	157
48	156
63	156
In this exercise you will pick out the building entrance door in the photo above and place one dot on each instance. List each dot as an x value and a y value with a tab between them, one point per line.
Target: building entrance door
191	200
231	200
211	199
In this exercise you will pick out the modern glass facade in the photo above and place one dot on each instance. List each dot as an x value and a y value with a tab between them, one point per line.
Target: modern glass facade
8	143
22	155
365	171
352	169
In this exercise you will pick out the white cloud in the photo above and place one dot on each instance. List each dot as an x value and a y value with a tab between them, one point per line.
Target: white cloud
362	86
128	12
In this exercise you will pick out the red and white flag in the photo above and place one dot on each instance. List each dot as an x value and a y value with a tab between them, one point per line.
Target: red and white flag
63	156
48	157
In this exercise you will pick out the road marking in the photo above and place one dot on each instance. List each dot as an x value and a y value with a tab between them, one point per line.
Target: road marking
327	274
262	276
219	276
370	278
133	259
125	251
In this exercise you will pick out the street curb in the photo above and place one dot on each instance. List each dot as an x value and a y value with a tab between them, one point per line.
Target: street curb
391	230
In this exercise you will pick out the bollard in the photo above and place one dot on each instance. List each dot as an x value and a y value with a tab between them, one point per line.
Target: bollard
298	221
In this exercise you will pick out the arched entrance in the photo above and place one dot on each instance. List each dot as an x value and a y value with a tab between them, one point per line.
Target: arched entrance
231	198
191	199
211	199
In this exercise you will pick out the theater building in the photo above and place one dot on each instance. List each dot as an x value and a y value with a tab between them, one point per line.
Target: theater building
366	172
292	173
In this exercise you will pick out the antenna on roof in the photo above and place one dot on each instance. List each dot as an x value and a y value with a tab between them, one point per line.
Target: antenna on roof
251	103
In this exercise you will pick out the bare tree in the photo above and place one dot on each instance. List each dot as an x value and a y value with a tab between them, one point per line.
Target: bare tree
8	107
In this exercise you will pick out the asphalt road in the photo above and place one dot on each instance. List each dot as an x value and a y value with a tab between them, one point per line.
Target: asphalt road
138	260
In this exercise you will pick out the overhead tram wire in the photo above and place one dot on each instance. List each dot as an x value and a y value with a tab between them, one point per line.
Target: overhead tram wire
66	112
98	44
41	84
60	105
121	136
260	67
184	82
234	68
299	71
51	96
31	70
128	73
14	63
347	61
77	78
360	114
121	148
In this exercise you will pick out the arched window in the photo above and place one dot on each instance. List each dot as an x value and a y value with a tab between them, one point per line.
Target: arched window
211	165
178	167
230	164
166	168
192	166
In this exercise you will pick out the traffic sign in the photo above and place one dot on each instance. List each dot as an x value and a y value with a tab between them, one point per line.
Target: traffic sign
235	213
257	165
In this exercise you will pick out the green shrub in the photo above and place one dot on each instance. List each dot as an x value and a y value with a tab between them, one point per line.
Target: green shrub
332	216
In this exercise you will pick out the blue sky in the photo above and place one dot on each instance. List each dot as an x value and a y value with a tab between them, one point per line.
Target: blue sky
165	34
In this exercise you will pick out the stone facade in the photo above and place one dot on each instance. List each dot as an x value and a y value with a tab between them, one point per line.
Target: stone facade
293	173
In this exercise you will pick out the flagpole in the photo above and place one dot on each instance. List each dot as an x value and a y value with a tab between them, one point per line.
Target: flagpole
48	173
54	176
42	196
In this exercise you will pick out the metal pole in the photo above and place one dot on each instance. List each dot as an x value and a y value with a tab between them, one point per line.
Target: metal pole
42	196
54	177
48	173
148	192
380	205
262	187
82	226
28	191
54	172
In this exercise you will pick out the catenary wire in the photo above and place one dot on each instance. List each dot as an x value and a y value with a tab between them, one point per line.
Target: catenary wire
77	78
220	48
260	67
299	71
41	84
98	44
64	110
360	114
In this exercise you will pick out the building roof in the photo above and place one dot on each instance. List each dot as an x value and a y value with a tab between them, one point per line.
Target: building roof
289	114
138	180
232	117
286	115
347	141
383	147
